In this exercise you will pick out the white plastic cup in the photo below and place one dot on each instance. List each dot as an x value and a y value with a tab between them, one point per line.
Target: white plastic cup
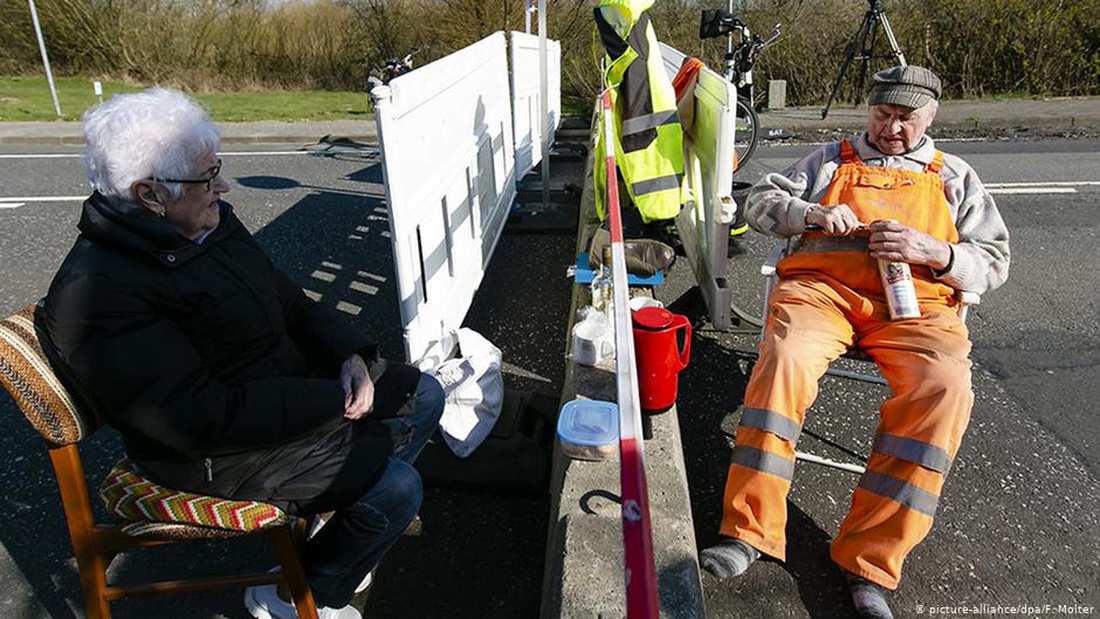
591	342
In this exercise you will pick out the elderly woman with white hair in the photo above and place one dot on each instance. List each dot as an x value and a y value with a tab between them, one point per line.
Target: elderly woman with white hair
168	321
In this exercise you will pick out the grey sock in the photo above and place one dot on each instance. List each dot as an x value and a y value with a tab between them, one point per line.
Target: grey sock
728	558
869	599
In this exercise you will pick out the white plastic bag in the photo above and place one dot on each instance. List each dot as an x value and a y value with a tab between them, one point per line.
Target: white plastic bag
475	392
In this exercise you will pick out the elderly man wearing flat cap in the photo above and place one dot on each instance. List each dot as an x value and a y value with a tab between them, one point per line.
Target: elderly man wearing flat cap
890	195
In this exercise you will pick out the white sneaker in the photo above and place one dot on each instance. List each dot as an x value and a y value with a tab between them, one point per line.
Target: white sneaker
318	521
367	581
361	587
263	602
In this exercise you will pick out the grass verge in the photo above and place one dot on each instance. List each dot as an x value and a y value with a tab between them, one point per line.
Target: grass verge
28	98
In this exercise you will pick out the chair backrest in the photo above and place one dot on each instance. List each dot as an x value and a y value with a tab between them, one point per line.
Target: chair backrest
28	377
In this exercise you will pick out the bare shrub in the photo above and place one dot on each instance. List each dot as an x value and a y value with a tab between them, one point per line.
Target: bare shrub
1034	47
979	47
571	22
388	29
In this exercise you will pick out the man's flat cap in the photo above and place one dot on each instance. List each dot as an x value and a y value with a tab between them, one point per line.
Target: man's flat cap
911	86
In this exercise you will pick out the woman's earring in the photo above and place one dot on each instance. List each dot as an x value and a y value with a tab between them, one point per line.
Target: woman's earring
163	212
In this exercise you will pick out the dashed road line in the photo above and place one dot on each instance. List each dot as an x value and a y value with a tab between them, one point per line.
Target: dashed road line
240	153
1039	187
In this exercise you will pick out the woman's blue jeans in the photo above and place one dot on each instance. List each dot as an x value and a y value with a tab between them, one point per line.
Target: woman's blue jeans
352	543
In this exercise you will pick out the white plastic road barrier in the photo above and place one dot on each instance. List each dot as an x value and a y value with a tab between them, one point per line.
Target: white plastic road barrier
703	223
527	130
445	132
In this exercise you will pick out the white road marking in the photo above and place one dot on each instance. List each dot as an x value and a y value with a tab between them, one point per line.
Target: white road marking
45	199
1043	184
23	200
227	154
40	156
1032	190
1039	187
270	152
938	141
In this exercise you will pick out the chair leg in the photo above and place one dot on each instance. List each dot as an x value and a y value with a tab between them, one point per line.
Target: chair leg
91	565
290	559
92	569
867	378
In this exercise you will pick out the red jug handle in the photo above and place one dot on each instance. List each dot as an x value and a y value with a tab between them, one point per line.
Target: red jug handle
680	321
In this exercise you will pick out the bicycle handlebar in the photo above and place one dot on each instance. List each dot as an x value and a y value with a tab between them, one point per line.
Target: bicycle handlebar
746	51
758	44
392	68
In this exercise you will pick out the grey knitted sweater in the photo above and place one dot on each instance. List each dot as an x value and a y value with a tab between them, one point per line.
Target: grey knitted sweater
777	206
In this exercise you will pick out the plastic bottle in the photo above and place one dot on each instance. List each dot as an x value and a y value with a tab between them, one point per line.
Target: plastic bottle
603	286
901	295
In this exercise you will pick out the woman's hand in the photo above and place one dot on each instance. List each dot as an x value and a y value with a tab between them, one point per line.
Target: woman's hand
358	388
838	220
900	243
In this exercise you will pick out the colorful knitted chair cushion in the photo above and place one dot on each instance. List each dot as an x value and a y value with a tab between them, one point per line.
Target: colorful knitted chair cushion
170	531
27	376
147	508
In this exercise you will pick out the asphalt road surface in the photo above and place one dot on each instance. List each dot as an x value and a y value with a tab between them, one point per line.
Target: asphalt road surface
1018	523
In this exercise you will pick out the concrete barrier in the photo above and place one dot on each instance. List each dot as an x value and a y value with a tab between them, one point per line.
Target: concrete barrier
584	576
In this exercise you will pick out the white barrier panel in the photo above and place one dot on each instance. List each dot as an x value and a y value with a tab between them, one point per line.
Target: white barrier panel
445	131
525	98
703	224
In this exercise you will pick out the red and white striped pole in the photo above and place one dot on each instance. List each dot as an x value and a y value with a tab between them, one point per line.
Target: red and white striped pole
641	575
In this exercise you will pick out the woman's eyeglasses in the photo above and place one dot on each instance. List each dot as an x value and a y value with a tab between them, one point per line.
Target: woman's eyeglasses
208	179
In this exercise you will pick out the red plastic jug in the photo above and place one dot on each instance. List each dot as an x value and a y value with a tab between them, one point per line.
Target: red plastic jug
660	358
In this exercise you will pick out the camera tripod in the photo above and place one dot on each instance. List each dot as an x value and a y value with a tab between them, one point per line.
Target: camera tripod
862	48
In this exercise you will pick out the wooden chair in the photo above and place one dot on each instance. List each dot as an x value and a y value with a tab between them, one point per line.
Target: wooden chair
147	514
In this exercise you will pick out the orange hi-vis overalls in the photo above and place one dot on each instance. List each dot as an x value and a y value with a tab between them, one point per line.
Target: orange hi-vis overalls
829	298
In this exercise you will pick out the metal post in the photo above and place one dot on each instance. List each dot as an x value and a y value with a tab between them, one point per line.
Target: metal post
544	106
527	16
729	48
45	58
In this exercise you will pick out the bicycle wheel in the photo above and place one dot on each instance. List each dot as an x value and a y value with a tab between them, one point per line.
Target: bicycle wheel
745	133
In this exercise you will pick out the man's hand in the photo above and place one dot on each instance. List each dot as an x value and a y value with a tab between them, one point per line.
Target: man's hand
899	243
358	388
836	220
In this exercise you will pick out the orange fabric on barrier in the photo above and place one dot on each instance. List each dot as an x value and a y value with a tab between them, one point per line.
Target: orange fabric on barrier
686	76
827	301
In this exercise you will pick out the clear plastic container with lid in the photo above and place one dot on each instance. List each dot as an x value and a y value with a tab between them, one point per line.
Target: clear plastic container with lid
589	429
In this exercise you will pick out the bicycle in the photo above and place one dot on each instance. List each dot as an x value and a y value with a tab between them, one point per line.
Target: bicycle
737	69
394	67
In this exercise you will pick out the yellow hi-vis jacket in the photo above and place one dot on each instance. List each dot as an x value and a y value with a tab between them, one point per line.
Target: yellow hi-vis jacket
648	135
